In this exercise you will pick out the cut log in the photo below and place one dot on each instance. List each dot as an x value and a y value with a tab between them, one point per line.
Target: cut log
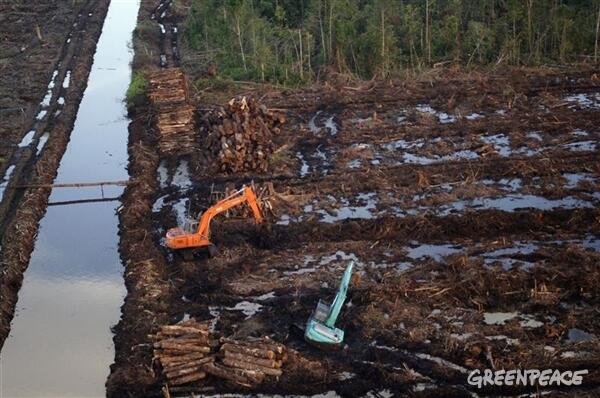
198	341
186	365
251	351
187	348
252	366
254	376
175	352
227	374
182	372
172	359
198	375
269	363
263	344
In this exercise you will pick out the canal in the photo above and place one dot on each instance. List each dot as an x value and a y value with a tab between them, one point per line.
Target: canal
60	342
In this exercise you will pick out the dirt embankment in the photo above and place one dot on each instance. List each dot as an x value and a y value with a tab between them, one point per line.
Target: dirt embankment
469	203
147	277
39	162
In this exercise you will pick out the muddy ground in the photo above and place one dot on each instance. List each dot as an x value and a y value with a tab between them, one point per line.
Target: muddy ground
47	79
27	58
468	201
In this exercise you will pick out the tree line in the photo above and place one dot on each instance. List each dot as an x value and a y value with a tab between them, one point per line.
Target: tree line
293	41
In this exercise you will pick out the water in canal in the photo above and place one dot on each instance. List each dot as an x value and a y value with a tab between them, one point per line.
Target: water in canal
60	343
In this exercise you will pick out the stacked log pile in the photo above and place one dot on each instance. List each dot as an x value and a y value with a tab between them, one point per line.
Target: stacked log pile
248	362
183	350
174	114
188	352
240	136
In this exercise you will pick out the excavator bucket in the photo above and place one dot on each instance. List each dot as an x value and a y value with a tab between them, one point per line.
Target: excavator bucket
320	328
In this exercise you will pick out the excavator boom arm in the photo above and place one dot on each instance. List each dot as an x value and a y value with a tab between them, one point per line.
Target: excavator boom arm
340	297
246	194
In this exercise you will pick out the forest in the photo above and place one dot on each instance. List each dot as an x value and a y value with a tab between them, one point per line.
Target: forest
295	41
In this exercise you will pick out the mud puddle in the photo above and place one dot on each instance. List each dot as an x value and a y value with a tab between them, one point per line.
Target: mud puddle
366	205
5	180
323	122
73	287
511	203
583	101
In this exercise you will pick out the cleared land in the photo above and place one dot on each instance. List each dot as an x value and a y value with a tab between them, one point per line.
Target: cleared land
469	203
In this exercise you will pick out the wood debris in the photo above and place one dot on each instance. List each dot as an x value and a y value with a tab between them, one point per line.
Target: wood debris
189	351
240	136
168	94
264	193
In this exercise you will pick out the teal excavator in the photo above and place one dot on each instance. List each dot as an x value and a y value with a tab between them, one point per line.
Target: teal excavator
320	327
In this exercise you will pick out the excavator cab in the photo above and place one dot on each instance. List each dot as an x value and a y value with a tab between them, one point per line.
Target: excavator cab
190	225
196	234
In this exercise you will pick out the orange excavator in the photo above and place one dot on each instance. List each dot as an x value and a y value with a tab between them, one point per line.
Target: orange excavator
197	234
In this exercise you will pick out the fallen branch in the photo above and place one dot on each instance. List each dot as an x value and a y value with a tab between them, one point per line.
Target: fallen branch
79	184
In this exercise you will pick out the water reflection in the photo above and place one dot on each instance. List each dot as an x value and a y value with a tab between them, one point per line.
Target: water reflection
64	349
60	344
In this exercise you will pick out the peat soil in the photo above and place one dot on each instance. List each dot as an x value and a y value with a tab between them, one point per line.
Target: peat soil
469	203
54	72
33	40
